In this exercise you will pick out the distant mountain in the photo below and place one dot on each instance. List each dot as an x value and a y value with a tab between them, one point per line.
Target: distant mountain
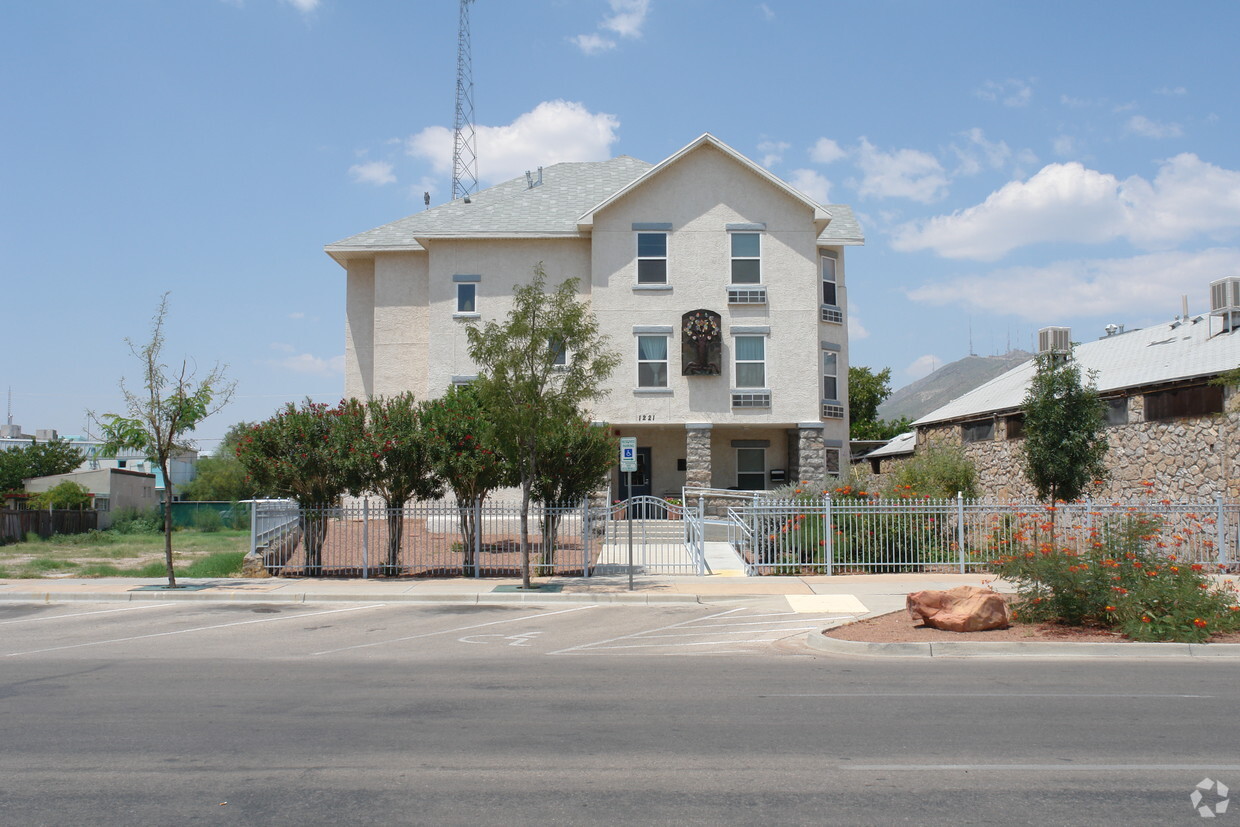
947	383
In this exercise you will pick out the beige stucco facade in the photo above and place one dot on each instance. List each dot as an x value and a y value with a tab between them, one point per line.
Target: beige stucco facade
404	331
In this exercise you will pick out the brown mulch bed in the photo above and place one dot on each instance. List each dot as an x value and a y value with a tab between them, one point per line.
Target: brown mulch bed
898	627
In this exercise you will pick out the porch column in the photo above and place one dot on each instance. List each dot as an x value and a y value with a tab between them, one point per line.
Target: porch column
811	454
697	454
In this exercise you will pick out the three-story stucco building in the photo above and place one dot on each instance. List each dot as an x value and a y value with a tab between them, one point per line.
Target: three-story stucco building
721	286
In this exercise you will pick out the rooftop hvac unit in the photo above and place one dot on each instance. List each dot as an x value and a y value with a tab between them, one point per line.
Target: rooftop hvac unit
1225	296
1055	340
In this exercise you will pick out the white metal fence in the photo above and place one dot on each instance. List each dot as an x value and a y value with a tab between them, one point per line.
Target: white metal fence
826	536
478	539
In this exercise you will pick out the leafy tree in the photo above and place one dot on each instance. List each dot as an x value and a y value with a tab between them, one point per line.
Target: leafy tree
520	382
574	459
172	403
394	461
939	472
305	453
1065	436
66	494
460	445
221	476
866	391
38	459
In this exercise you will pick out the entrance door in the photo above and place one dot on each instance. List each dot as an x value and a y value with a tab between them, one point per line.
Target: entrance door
640	477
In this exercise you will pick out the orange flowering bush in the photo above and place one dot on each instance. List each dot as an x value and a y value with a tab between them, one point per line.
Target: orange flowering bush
1118	576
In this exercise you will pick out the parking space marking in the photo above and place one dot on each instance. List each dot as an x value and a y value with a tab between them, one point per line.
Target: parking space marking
725	631
83	614
458	629
195	629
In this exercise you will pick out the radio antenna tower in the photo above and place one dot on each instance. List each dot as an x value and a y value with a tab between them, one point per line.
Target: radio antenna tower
464	148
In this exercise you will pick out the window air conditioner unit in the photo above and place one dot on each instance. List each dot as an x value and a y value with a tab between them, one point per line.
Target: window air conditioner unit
1055	340
1225	296
746	295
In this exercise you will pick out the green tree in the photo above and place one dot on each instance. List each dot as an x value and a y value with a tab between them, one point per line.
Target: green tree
1065	435
866	391
38	459
394	461
221	476
305	453
461	448
522	384
574	459
939	472
66	494
171	404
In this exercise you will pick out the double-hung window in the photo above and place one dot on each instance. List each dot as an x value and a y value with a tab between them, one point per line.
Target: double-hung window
652	258
830	375
652	361
750	358
830	289
746	258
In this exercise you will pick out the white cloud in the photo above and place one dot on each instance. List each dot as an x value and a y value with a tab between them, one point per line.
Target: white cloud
773	152
904	173
593	44
1136	286
826	151
1066	146
812	184
281	347
626	20
1171	90
978	153
1011	92
856	330
923	366
1144	127
553	132
304	6
297	315
373	172
311	364
767	12
1068	202
1075	103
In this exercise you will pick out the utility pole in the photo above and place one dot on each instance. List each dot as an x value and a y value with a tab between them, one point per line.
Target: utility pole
464	147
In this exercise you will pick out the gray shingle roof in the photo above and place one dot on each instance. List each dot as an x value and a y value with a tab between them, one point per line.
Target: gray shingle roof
844	227
512	208
1169	352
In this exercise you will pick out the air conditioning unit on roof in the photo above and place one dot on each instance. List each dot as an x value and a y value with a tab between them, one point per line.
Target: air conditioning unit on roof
1225	296
1055	340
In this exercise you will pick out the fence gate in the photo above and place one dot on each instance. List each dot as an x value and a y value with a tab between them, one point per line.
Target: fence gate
666	538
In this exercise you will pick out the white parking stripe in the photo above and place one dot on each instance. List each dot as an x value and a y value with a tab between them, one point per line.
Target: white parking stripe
450	631
640	634
83	614
195	629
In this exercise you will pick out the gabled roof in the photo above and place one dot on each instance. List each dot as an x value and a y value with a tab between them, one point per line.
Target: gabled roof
512	209
563	205
705	139
898	446
1174	352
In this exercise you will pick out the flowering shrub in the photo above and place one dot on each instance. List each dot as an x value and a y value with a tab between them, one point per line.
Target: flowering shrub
1118	575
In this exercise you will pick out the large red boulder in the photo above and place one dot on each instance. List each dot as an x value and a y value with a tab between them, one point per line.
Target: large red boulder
962	609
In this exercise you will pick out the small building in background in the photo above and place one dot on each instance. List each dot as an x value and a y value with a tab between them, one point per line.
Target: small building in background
115	490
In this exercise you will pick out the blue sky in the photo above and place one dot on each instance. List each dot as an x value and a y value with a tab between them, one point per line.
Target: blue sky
1014	165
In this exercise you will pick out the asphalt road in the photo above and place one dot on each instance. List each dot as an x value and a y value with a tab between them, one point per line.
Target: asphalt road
383	714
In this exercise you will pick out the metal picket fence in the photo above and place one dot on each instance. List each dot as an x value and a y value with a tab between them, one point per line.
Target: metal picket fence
826	536
477	539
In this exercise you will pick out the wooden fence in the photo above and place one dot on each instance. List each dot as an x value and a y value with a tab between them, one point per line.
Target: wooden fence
15	524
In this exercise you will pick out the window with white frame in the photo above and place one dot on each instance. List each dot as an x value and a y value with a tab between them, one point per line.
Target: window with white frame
466	297
559	353
751	469
829	293
652	361
746	258
652	258
749	353
830	375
